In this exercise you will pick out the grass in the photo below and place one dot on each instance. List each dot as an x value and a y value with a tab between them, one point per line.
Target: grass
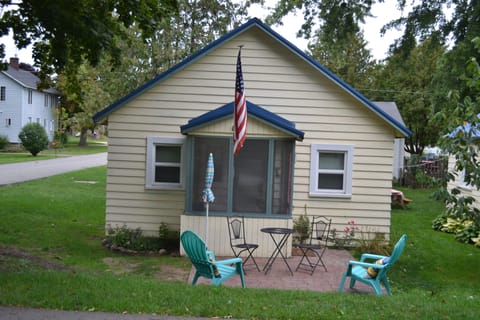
71	148
60	223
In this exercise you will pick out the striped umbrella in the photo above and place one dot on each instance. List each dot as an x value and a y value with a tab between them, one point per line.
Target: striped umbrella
207	192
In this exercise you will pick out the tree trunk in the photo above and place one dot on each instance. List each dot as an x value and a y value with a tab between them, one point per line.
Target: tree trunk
83	138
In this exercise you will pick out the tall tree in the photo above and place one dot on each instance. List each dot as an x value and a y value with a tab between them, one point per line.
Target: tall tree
88	90
67	32
349	58
407	79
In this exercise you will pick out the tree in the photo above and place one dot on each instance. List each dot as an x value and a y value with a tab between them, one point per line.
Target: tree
337	18
65	32
34	138
407	79
86	90
461	141
349	59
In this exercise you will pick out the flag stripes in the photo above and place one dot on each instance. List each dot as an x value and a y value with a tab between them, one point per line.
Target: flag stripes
240	110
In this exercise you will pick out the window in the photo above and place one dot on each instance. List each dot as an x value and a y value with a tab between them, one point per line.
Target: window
30	95
463	179
257	181
164	163
45	100
331	170
3	93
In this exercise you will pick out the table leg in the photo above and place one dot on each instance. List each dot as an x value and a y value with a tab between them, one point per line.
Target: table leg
278	250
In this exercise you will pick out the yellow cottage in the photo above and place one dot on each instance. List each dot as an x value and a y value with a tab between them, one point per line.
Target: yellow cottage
161	134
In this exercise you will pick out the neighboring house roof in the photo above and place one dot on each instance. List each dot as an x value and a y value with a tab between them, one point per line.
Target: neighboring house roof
252	109
255	22
22	77
391	109
26	79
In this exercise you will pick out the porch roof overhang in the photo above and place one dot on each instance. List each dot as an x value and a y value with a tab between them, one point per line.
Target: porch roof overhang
253	110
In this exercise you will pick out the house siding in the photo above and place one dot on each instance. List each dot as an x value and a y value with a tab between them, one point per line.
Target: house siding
17	108
458	183
279	81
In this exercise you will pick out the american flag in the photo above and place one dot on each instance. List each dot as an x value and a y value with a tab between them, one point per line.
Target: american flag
240	110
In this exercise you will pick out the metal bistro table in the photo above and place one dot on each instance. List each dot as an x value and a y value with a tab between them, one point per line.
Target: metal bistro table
282	235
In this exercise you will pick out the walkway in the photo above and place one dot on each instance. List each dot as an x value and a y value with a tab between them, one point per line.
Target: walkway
24	171
279	277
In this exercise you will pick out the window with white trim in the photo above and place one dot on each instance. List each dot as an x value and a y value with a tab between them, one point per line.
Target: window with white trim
3	93
331	170
165	169
30	96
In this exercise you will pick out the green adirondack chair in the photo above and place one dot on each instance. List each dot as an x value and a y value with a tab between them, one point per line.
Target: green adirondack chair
205	264
373	273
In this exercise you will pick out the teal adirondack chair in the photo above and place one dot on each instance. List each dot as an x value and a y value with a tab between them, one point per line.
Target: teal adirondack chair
205	264
359	270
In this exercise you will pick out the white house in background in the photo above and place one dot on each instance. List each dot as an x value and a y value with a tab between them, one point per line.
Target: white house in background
399	143
313	144
22	103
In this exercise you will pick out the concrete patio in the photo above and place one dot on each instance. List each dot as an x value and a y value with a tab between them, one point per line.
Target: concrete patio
280	278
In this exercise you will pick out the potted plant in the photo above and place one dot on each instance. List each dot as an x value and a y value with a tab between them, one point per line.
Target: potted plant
301	225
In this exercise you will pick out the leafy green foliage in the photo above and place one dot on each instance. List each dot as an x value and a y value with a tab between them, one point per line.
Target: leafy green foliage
34	138
78	30
462	142
3	141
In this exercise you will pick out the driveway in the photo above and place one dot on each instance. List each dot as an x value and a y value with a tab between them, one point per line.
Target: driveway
24	171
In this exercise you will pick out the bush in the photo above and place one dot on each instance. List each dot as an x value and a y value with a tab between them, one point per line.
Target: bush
34	138
3	142
61	137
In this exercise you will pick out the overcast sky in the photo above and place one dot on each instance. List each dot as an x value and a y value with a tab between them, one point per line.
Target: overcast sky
377	44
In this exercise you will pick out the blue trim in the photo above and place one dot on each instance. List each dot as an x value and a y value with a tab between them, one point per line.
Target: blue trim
253	110
251	23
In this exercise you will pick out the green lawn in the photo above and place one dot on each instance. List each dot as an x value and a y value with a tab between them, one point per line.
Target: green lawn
51	257
71	148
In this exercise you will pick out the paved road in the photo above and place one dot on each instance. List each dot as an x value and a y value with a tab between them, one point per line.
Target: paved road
14	313
31	170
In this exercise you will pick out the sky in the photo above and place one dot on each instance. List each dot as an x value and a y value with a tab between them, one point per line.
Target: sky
291	24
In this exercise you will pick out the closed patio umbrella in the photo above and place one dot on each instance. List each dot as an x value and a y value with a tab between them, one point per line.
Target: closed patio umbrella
207	192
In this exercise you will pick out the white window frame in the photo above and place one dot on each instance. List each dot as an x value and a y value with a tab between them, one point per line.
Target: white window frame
152	143
463	184
315	150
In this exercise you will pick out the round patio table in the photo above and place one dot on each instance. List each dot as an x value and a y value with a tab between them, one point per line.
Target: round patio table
279	237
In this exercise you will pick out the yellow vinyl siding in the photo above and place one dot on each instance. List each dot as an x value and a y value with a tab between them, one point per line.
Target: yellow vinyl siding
278	81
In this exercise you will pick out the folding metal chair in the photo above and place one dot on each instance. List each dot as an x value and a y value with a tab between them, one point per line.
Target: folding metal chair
312	252
238	243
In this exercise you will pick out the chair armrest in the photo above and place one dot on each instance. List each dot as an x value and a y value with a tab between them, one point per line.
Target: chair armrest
366	265
371	256
211	255
229	261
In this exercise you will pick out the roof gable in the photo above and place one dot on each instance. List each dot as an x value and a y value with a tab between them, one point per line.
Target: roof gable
22	77
255	22
254	110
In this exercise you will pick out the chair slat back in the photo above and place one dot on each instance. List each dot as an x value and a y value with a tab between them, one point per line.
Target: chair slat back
196	251
320	229
236	230
398	249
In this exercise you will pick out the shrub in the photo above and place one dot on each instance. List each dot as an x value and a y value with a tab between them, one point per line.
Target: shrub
3	142
61	137
34	138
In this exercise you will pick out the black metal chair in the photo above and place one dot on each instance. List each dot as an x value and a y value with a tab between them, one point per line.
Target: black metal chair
238	243
313	250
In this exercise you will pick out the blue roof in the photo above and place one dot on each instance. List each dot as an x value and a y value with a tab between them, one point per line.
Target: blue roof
466	129
252	23
252	110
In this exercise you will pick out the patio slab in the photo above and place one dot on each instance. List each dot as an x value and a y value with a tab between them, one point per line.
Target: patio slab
280	278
